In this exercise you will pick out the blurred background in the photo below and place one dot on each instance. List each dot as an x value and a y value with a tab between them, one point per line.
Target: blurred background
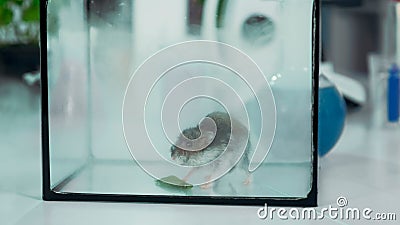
360	44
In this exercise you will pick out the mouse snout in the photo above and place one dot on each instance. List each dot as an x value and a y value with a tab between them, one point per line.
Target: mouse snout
174	153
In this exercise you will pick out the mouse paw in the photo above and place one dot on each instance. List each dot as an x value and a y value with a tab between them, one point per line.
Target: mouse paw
206	186
247	181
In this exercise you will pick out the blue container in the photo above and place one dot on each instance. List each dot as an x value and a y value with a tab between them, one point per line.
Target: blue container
331	116
393	95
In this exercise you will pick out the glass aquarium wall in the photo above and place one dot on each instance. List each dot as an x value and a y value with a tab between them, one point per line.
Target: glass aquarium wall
68	89
181	97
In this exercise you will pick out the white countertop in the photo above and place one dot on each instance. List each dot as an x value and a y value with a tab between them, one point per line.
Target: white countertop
364	167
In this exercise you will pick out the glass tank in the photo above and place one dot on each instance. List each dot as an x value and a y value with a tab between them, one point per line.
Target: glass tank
196	101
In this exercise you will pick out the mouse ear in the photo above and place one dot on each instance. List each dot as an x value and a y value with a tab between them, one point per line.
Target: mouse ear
209	136
207	123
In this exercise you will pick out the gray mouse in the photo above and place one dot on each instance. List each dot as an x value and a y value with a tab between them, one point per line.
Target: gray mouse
205	152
